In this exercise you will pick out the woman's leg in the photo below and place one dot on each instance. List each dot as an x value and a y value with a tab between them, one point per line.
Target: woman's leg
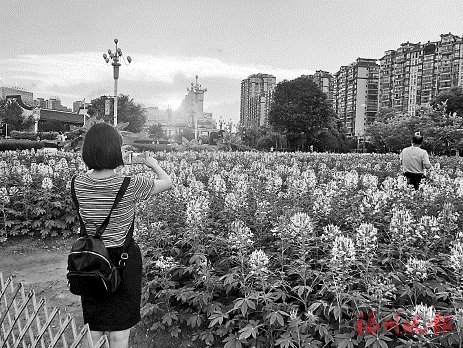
119	339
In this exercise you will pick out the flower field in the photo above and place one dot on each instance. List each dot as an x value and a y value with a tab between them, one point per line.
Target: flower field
278	249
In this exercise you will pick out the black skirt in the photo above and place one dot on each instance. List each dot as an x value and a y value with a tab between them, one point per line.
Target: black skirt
121	311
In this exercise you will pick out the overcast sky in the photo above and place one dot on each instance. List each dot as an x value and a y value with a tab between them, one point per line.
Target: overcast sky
55	48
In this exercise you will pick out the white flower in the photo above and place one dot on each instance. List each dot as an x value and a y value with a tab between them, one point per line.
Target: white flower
27	179
366	240
417	269
343	251
456	257
217	184
47	183
330	233
4	197
196	211
300	224
165	263
240	236
258	262
424	315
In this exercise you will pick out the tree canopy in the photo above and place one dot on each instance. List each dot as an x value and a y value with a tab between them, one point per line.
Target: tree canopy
12	114
301	111
127	111
452	100
156	131
393	130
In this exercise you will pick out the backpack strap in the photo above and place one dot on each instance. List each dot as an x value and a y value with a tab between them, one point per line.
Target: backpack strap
125	247
83	231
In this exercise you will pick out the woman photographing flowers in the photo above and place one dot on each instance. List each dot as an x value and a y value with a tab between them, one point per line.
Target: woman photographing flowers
96	190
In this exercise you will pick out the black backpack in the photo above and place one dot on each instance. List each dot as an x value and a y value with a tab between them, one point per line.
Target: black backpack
91	273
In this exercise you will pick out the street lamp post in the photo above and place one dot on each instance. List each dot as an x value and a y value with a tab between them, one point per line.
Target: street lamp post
115	62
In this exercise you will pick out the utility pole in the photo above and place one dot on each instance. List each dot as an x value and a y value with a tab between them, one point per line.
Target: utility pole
115	62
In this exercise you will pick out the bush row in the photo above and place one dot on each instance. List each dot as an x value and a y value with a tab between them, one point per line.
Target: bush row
33	135
20	144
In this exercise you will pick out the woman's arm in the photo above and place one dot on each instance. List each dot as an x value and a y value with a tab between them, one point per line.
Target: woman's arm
164	182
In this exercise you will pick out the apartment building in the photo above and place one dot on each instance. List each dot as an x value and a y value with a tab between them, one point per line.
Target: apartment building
79	104
355	94
414	74
256	97
324	80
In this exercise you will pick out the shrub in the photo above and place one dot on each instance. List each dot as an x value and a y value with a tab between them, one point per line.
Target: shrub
20	144
143	141
23	135
33	135
153	147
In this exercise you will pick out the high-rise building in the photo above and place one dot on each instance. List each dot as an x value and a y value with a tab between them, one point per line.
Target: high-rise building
40	103
355	95
79	104
414	74
324	80
256	96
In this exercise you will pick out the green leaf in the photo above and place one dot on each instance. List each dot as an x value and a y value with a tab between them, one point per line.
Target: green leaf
232	342
369	341
174	331
247	331
285	341
275	316
383	344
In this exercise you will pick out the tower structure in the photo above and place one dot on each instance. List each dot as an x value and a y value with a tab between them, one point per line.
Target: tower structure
192	107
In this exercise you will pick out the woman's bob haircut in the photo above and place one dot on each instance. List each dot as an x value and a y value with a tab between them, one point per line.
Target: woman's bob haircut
102	147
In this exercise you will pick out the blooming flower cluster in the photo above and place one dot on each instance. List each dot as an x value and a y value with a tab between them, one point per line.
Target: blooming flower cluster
417	269
456	257
240	236
258	262
366	240
342	252
197	209
165	263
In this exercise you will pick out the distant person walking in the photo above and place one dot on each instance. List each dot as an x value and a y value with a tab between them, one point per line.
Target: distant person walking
414	161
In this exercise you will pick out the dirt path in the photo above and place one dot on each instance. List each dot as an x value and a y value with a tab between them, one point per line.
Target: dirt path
41	265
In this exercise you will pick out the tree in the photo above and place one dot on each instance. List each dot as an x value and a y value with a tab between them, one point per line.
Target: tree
452	100
442	132
392	130
155	131
187	133
12	114
270	140
300	111
127	111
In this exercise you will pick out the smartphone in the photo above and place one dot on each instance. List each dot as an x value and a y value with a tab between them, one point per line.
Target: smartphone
134	158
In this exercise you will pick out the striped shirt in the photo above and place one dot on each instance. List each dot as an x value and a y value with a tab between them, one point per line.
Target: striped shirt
96	197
